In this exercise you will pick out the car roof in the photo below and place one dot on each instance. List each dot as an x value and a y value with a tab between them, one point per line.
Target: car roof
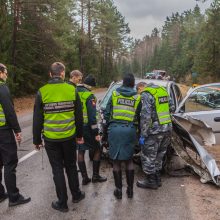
157	82
201	86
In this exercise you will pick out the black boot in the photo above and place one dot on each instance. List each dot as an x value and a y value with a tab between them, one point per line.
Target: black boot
80	196
62	208
3	197
148	182
118	184
82	168
21	200
130	182
158	178
96	177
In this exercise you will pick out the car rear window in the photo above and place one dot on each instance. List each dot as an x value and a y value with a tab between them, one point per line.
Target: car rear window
104	102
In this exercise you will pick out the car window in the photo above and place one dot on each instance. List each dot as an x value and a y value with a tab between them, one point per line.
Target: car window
203	99
108	95
172	96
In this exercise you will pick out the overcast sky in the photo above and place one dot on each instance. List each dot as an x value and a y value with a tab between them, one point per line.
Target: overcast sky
144	15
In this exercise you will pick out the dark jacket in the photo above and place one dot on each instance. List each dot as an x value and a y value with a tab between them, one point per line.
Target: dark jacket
149	120
38	118
91	110
127	92
8	107
121	134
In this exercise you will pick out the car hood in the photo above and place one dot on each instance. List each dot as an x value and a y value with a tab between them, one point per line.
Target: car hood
191	133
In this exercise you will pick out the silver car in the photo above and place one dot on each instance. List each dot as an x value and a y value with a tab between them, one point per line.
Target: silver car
172	88
203	103
196	131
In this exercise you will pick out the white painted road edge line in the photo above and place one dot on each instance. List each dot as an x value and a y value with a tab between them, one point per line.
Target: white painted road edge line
27	156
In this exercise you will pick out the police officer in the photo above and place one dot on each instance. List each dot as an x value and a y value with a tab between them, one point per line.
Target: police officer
58	116
10	131
155	132
90	132
75	77
120	115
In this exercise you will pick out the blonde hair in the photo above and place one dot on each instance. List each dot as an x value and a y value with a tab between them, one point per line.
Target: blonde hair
75	73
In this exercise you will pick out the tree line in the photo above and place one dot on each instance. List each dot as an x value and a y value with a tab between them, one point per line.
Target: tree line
83	34
188	42
93	36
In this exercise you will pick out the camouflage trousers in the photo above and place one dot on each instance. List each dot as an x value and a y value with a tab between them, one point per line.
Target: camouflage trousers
153	151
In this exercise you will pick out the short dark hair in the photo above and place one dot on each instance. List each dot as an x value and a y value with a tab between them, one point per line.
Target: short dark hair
141	84
129	80
57	68
75	73
2	67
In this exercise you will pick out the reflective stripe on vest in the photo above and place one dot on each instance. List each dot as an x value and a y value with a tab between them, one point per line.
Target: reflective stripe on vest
59	108
124	108
83	97
161	97
2	114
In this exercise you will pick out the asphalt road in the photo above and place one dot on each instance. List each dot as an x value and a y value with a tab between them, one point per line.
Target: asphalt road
34	178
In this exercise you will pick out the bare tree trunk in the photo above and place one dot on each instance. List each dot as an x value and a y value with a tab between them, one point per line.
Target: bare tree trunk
89	20
82	36
15	30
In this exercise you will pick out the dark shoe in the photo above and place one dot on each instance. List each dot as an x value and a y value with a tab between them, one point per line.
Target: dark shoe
82	168
96	177
118	184
148	182
130	183
85	181
158	178
57	206
118	193
3	197
21	200
80	197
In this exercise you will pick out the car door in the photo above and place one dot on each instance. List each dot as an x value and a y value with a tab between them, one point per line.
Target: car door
203	103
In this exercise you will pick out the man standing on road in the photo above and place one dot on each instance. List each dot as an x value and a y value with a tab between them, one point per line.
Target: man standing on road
58	116
155	132
75	78
10	132
90	132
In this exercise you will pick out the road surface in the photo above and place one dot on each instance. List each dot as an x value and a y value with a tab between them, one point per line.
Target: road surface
34	178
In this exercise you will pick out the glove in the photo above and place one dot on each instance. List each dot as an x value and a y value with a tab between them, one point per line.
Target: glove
141	140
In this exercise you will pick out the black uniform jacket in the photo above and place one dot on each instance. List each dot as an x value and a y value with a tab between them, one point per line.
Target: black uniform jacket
8	108
38	118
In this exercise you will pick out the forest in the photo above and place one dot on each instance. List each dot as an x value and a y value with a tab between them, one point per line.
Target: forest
94	37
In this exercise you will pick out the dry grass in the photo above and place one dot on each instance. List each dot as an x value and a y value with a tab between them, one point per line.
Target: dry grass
24	105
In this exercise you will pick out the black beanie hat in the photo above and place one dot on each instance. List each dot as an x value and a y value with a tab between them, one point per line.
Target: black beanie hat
129	80
90	81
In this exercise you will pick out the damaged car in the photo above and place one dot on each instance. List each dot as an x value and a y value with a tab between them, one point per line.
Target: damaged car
196	131
172	88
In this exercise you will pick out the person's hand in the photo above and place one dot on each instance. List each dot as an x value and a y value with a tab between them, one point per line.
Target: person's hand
80	140
18	137
98	138
38	146
141	140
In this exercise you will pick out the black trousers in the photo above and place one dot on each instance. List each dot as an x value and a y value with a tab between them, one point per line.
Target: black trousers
9	160
63	155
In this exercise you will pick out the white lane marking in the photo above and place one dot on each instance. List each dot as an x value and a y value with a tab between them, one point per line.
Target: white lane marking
27	156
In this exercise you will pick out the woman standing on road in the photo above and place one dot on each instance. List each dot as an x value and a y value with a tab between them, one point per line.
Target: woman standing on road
120	114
